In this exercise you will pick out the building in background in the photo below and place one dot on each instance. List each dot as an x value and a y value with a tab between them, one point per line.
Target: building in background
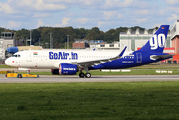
80	44
95	44
6	40
105	46
174	32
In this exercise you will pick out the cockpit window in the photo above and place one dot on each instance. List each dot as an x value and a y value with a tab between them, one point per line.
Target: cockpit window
15	55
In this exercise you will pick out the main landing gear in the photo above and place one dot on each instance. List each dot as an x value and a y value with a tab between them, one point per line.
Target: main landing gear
82	75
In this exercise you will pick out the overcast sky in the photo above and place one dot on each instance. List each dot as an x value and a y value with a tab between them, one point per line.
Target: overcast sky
105	14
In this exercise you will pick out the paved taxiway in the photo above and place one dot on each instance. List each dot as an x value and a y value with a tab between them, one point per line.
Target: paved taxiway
94	78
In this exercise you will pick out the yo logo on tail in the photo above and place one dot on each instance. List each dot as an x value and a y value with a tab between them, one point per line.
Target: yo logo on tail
157	41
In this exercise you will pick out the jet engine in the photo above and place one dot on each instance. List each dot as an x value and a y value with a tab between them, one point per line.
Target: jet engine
65	69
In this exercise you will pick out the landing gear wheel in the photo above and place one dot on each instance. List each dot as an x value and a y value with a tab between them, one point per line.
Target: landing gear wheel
87	75
81	75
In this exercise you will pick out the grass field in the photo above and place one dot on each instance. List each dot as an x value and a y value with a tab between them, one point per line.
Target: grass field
90	101
5	66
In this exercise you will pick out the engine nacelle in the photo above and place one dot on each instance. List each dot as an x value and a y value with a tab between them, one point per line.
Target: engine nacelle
65	69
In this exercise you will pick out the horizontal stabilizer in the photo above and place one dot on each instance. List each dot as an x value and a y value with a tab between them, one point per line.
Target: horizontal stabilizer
155	57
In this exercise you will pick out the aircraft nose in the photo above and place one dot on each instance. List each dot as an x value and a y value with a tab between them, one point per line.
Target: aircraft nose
8	62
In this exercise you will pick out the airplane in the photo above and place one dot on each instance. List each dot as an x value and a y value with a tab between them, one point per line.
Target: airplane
69	62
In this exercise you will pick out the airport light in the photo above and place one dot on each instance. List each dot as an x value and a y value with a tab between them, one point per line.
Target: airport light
51	41
30	36
67	41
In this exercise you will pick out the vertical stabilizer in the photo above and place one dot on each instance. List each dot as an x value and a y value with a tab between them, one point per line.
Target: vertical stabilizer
157	41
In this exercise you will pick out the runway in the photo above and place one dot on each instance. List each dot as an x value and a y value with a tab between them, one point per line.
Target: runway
94	78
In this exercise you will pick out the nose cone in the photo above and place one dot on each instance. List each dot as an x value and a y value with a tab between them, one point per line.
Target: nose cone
9	62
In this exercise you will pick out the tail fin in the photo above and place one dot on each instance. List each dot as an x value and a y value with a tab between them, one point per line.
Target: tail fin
157	41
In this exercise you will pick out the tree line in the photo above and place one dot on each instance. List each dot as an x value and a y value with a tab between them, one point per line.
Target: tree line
41	35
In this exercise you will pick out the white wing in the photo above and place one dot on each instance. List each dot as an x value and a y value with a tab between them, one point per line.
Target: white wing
96	62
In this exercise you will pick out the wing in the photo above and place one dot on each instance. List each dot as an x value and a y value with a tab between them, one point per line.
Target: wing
96	62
